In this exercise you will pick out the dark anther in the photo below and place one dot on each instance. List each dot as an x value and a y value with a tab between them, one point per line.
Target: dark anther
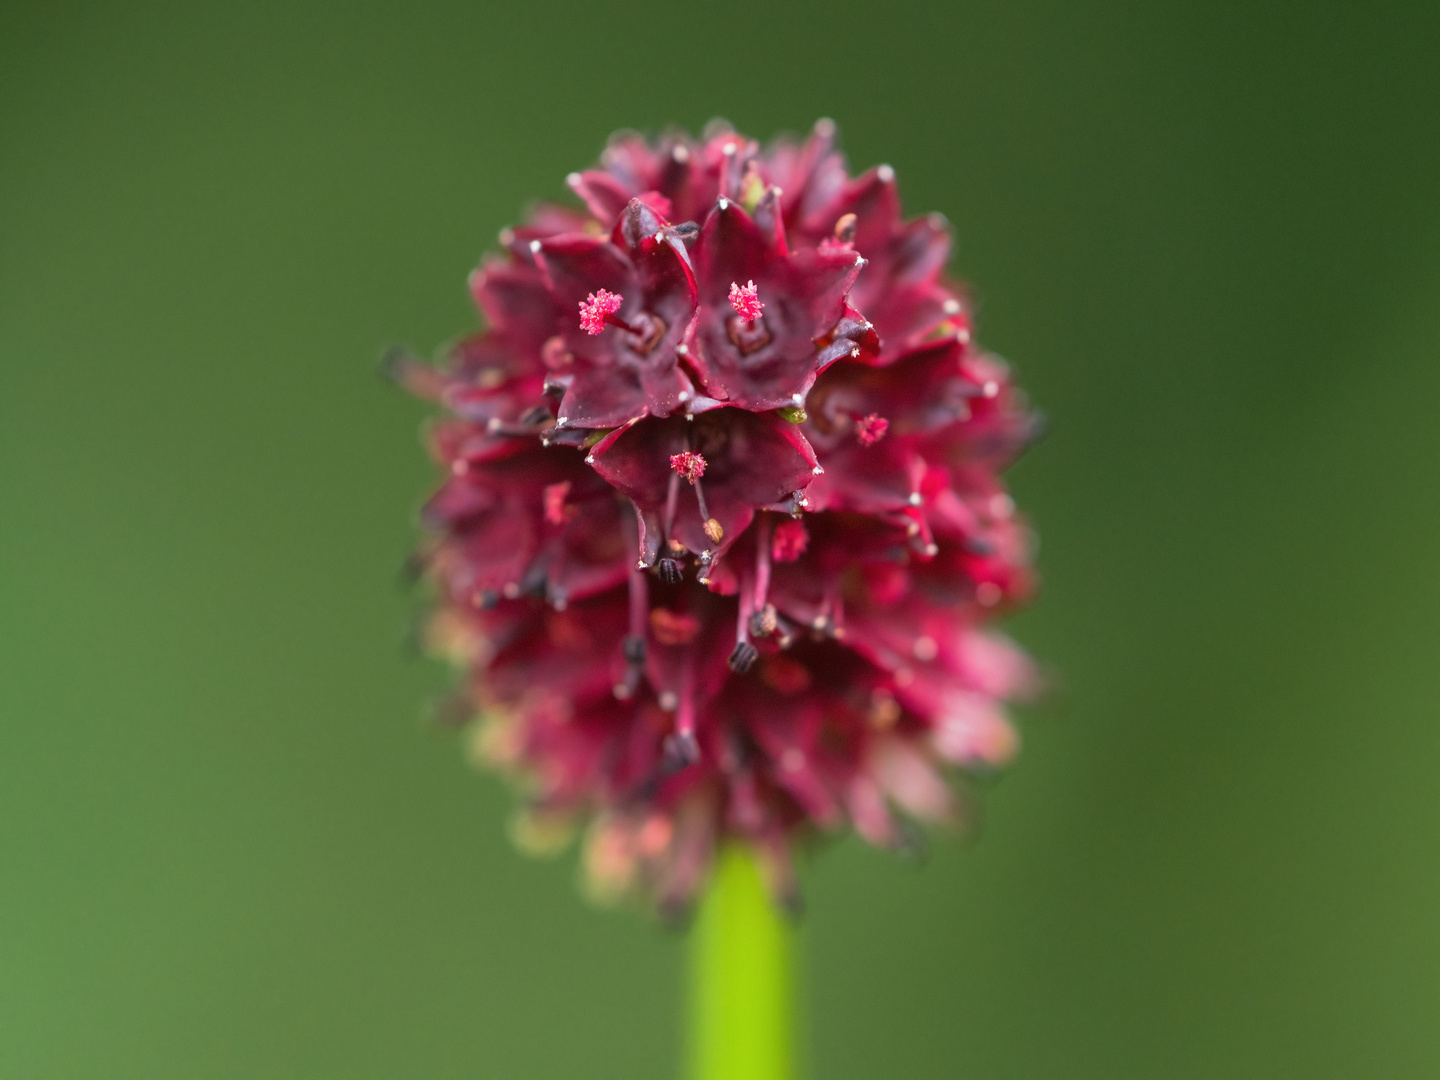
743	658
533	584
634	649
764	622
671	572
686	230
681	751
977	546
536	416
555	388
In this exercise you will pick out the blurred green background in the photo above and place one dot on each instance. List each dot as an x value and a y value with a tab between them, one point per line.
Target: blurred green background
231	845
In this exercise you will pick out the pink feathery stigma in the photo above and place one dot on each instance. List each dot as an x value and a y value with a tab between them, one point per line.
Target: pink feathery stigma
688	464
596	308
745	299
871	429
790	541
554	499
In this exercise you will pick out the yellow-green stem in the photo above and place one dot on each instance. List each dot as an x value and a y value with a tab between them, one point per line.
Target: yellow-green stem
742	1018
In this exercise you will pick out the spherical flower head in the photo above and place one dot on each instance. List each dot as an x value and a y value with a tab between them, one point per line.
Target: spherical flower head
596	307
745	300
724	568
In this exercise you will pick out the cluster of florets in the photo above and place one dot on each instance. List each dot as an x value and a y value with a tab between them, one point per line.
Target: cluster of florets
723	526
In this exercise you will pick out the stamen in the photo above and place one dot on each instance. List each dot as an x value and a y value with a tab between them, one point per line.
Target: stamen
639	603
633	644
871	429
711	527
681	747
764	528
744	655
745	299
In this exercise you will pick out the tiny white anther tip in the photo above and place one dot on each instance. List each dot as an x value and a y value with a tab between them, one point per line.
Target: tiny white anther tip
915	498
817	470
535	245
724	203
798	399
885	173
572	179
589	459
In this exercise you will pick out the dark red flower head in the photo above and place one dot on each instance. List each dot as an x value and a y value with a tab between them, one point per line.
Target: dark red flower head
722	527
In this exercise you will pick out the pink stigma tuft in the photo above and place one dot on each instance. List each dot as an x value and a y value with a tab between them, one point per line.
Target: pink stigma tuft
554	499
790	541
596	308
871	429
688	464
745	299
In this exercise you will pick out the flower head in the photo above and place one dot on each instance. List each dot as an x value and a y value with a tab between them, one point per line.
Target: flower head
715	573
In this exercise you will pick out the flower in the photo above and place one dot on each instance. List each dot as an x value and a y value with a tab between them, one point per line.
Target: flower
717	567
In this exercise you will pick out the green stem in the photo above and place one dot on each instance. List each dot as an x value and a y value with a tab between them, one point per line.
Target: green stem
741	989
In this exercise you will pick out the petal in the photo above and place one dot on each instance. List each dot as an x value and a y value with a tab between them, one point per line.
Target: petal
730	248
604	195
